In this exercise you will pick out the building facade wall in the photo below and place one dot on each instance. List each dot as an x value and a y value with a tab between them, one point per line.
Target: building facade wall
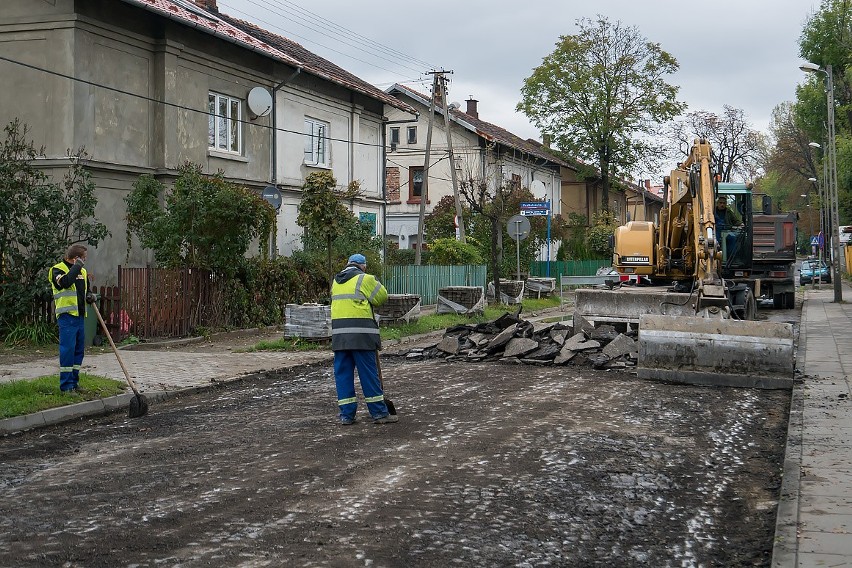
140	105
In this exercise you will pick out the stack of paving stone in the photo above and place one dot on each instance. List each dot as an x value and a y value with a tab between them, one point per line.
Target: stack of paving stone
511	291
307	320
511	339
537	287
460	300
399	308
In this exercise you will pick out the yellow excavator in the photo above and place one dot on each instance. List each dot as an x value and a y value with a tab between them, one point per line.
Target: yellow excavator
694	326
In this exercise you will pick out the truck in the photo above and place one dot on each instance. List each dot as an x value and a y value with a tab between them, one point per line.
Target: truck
763	255
774	256
695	326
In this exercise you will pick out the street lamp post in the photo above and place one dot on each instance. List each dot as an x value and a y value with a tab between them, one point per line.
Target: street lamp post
821	202
831	186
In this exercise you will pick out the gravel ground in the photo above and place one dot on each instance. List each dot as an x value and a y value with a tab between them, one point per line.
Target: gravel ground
490	465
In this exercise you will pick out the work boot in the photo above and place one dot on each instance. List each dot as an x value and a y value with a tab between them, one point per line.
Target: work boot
389	419
346	421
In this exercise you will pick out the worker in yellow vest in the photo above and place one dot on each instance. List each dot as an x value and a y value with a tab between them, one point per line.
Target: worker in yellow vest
355	340
70	284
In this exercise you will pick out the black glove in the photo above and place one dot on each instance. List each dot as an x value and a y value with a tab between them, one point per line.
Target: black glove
90	298
78	262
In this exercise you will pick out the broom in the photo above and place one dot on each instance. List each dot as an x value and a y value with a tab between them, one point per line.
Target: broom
138	404
388	402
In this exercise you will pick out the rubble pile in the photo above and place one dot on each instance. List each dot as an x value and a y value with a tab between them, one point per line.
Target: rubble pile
510	339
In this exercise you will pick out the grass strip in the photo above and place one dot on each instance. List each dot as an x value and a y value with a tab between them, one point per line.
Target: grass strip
33	395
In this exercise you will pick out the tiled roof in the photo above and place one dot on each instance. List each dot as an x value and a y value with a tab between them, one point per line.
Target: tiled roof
266	43
487	130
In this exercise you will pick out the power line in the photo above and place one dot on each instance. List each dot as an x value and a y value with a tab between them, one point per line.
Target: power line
205	112
335	30
337	37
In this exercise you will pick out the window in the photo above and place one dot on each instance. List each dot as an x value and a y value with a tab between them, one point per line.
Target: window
412	135
516	182
224	132
415	183
394	136
316	142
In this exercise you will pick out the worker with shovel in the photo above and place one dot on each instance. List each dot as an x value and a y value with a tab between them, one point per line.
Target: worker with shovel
70	284
355	340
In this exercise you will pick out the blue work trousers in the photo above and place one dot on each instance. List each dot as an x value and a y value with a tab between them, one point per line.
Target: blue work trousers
71	349
345	363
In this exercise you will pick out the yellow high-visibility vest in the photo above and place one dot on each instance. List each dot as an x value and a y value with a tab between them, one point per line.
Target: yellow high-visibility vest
65	300
352	323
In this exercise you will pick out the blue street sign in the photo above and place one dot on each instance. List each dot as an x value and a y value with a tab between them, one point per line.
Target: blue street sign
814	241
535	205
821	239
535	212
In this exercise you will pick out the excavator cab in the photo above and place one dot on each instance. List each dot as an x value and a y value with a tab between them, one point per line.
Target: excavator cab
734	228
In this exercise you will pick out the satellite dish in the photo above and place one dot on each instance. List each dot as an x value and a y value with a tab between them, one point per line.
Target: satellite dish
272	196
538	189
259	101
455	105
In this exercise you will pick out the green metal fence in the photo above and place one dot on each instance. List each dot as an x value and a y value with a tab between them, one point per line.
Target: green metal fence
569	267
425	280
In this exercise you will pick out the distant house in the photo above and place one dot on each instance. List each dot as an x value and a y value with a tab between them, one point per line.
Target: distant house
146	85
482	151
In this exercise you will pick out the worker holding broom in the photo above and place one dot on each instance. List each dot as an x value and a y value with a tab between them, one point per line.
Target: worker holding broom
70	284
355	340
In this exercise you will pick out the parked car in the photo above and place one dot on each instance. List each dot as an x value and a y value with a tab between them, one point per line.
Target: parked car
811	269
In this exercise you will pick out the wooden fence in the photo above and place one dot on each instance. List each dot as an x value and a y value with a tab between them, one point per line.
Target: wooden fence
160	302
425	280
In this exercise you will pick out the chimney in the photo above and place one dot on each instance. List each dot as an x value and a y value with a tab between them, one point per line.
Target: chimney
471	107
546	140
209	5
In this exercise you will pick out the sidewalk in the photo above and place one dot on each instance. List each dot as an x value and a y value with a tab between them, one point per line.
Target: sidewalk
814	524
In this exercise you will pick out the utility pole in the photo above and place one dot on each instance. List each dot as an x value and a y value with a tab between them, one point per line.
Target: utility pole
442	84
424	188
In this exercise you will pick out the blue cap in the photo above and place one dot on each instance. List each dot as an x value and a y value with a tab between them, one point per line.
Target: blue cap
357	259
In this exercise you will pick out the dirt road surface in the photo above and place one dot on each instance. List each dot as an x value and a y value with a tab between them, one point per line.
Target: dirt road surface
490	465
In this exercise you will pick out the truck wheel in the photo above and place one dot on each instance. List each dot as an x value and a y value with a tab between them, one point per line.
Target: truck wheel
789	300
778	301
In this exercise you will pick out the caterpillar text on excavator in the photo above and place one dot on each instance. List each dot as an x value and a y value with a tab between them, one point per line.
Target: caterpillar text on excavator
696	324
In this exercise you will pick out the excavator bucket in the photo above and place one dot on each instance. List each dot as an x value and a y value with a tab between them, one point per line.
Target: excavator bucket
720	352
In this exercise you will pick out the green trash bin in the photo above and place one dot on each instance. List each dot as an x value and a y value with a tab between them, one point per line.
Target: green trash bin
90	326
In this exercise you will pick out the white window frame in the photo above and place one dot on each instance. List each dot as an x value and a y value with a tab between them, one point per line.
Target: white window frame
411	135
316	142
224	130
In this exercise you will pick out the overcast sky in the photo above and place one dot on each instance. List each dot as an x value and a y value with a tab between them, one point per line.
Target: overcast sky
743	53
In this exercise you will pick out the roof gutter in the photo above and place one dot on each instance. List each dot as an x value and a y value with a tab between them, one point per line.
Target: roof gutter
283	57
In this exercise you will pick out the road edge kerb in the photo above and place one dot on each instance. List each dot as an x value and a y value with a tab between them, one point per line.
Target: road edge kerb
104	406
785	544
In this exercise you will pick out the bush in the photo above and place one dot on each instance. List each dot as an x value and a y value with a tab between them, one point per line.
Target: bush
260	290
453	252
404	257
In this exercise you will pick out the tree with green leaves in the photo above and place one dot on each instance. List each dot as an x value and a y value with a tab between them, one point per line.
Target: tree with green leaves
449	252
206	222
601	95
38	220
323	215
440	223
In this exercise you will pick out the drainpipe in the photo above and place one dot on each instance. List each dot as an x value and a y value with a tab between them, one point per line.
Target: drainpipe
275	90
